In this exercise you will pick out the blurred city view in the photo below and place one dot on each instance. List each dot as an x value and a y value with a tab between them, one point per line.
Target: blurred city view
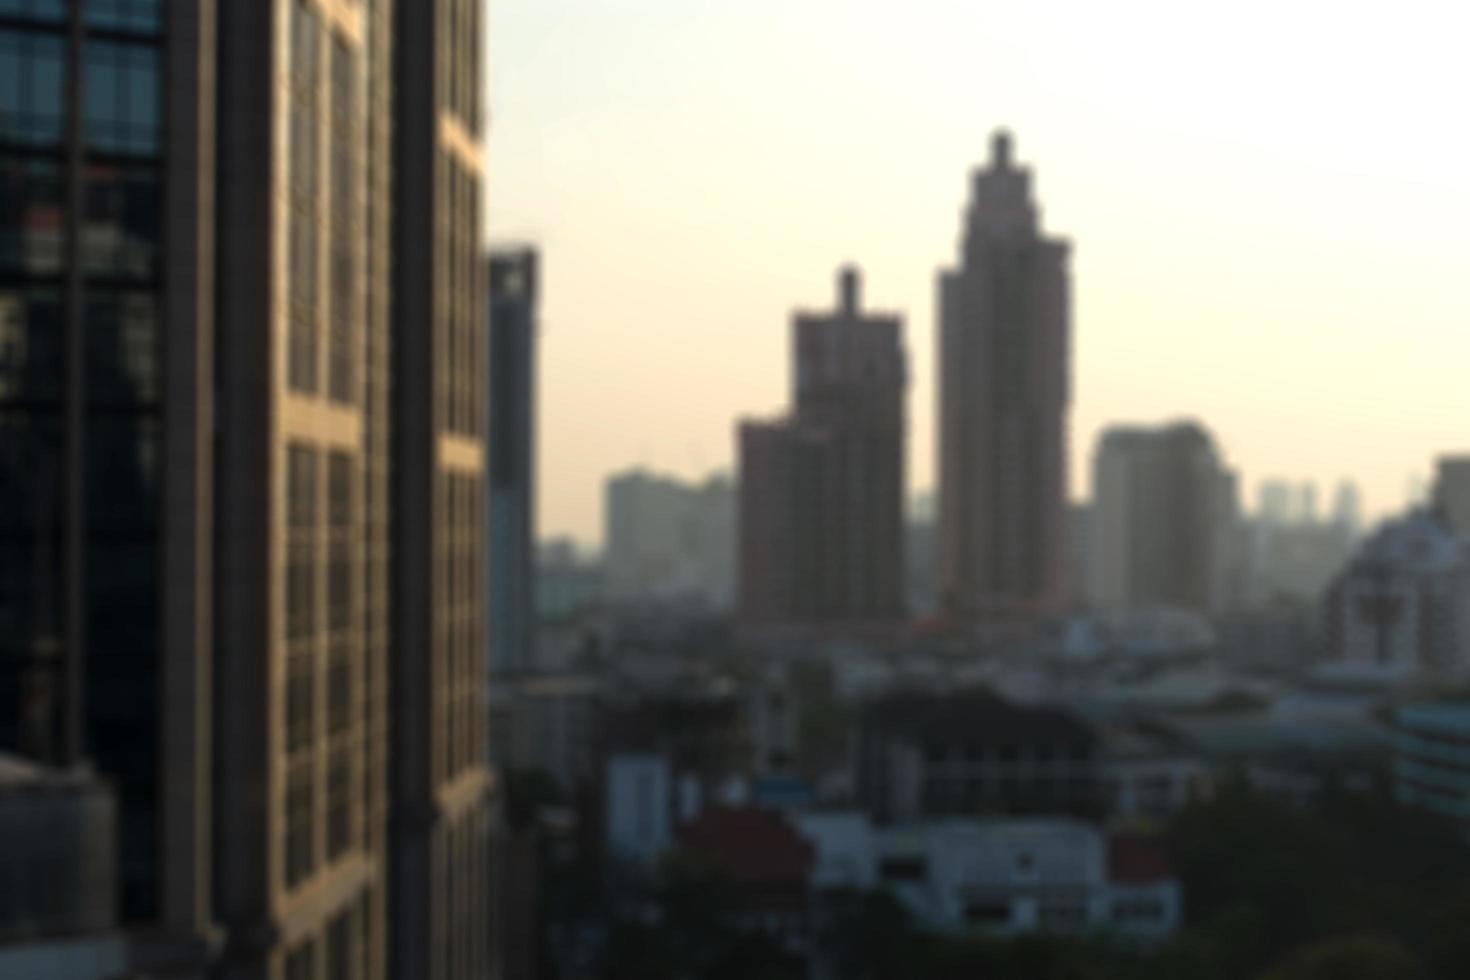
358	620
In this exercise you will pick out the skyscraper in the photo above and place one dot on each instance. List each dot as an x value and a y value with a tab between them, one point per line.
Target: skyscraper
1163	519
441	782
821	494
1004	350
512	427
197	566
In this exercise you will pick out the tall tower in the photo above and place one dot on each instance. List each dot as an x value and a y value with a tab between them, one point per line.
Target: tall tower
1004	350
822	493
512	427
304	239
107	426
441	782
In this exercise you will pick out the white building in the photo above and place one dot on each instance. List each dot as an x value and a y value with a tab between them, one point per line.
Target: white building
669	540
1007	878
1148	779
1401	607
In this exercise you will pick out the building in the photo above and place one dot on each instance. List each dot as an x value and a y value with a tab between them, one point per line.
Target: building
1163	519
441	782
1401	606
1005	877
1005	325
1148	778
551	723
1431	765
58	917
669	540
923	756
1452	492
821	503
766	863
198	557
514	280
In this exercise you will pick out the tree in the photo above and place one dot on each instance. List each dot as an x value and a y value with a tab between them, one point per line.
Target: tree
1360	958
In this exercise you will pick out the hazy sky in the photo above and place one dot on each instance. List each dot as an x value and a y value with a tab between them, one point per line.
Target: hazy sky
1269	204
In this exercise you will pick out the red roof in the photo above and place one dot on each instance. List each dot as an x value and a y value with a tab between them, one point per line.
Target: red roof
1136	860
749	844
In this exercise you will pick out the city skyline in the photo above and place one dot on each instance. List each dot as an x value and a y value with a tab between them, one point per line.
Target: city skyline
1249	252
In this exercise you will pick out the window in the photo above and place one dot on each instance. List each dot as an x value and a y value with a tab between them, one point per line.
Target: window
301	527
301	962
300	692
342	947
32	216
299	851
137	16
38	10
30	345
122	347
121	109
339	689
302	344
339	802
32	88
344	224
120	235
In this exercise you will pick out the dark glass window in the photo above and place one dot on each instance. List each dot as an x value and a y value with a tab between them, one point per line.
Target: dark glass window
138	16
300	696
122	473
344	224
32	217
342	947
53	11
339	689
302	346
30	346
120	233
122	347
30	468
300	855
301	529
339	801
121	108
32	88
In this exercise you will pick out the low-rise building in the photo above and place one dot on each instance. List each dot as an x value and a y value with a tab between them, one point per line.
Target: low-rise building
1431	768
972	753
1149	778
1004	877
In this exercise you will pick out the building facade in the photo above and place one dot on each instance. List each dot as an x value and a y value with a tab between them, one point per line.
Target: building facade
1431	765
1401	605
1452	492
1004	354
198	568
668	540
441	783
514	288
822	534
1164	519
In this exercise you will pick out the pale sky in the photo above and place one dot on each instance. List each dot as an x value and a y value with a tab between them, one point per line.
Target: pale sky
1269	205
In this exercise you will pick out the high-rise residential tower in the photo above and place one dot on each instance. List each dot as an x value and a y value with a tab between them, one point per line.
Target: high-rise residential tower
821	493
1004	353
514	284
1163	519
202	365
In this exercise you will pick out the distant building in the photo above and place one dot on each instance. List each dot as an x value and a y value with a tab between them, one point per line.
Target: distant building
639	800
1004	341
821	504
922	756
58	870
1431	767
569	583
1452	492
1005	877
1163	521
1347	508
668	540
764	859
1149	778
550	723
513	297
1401	606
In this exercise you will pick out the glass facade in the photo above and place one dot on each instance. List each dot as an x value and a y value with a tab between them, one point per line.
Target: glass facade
114	194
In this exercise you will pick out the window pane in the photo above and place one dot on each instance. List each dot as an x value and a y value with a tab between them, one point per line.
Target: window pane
32	88
120	235
32	217
122	348
123	15
120	113
30	345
